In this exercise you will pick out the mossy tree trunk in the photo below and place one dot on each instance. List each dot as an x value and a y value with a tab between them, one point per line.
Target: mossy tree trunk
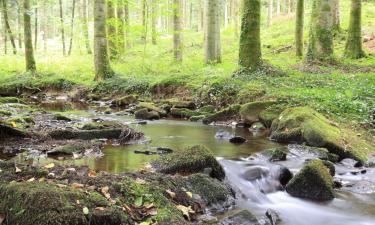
212	33
250	55
336	16
7	26
121	27
127	22
29	52
269	12
72	27
154	16
112	31
102	66
177	30
353	47
321	34
299	27
85	26
62	26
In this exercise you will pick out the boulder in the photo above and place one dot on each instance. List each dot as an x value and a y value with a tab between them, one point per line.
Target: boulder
190	160
152	107
207	109
273	217
228	113
8	131
312	182
125	101
100	125
250	112
257	127
244	217
237	140
144	114
302	124
276	154
255	172
183	113
284	175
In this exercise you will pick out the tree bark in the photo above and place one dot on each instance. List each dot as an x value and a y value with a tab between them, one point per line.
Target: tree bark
121	27
321	36
177	30
212	33
269	12
29	52
299	27
144	22
250	55
19	24
336	16
153	21
127	22
102	66
36	28
353	47
8	30
112	31
72	27
62	27
85	26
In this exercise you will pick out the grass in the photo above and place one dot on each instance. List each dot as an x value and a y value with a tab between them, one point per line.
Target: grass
345	92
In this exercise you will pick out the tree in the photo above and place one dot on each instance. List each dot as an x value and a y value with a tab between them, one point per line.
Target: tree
212	32
121	27
72	27
29	52
154	5
127	22
7	26
85	26
102	67
321	36
112	31
299	27
177	30
269	12
353	47
336	16
250	55
62	26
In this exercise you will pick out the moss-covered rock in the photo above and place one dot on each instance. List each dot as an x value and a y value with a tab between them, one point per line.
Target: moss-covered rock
183	113
8	131
197	118
243	217
228	113
5	112
207	109
313	182
125	101
62	117
276	154
145	114
152	107
10	100
183	104
100	125
250	93
303	124
250	112
66	150
269	115
190	160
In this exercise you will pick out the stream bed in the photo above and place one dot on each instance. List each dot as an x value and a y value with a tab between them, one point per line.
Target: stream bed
348	208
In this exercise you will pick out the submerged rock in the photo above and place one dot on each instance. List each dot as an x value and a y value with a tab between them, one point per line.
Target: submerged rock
237	140
188	161
255	172
313	182
243	217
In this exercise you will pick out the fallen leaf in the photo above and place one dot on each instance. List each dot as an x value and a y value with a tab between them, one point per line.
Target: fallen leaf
52	175
85	210
138	201
42	179
100	208
188	193
18	170
186	211
1	171
14	125
31	179
77	185
60	185
171	193
145	223
92	173
49	166
105	192
78	202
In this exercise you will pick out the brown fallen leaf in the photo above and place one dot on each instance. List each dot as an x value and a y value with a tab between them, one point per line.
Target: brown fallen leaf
171	194
92	173
77	186
31	179
186	211
18	170
2	218
188	193
105	192
139	213
49	166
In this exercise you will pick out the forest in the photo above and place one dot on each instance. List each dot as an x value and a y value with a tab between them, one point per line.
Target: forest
181	112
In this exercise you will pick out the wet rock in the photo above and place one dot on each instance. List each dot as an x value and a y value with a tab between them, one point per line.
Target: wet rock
243	217
312	182
350	163
207	109
302	124
100	125
125	101
188	161
313	152
255	172
228	113
257	127
223	135
250	112
152	107
144	114
183	113
62	117
273	217
276	154
330	166
237	140
284	176
66	150
360	187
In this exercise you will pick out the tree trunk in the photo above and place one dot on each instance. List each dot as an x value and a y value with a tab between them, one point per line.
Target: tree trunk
270	11
250	55
236	17
144	23
321	36
278	7
36	28
153	21
212	33
7	26
72	28
177	30
19	24
102	66
29	52
336	16
112	31
127	22
299	27
85	26
121	27
45	26
353	47
62	26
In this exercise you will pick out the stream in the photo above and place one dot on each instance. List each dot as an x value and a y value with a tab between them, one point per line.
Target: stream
347	208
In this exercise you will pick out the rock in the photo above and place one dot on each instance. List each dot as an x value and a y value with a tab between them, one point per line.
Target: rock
276	154
330	166
62	117
255	172
250	112
144	114
5	112
257	127
284	176
8	131
237	140
183	104
196	118
66	150
223	135
101	125
228	113
188	161
207	109
152	107
164	150
273	217
351	163
125	101
183	113
312	182
244	217
302	124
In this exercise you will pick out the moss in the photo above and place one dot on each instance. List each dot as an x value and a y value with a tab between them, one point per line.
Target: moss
313	182
5	113
267	116
125	101
225	114
67	149
197	118
302	124
190	160
250	111
144	114
85	134
184	113
10	100
207	109
100	125
8	131
62	117
180	104
276	154
250	93
151	107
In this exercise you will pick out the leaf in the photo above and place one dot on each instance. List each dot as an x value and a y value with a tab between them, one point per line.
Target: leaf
105	192
100	208
49	166
145	223
77	185
186	211
85	210
188	193
171	193
18	170
92	173
14	125
138	201
31	179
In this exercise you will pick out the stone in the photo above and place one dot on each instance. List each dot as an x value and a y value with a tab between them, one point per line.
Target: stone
237	140
255	172
250	112
244	217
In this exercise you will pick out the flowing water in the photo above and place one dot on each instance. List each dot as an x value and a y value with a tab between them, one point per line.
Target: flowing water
257	196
